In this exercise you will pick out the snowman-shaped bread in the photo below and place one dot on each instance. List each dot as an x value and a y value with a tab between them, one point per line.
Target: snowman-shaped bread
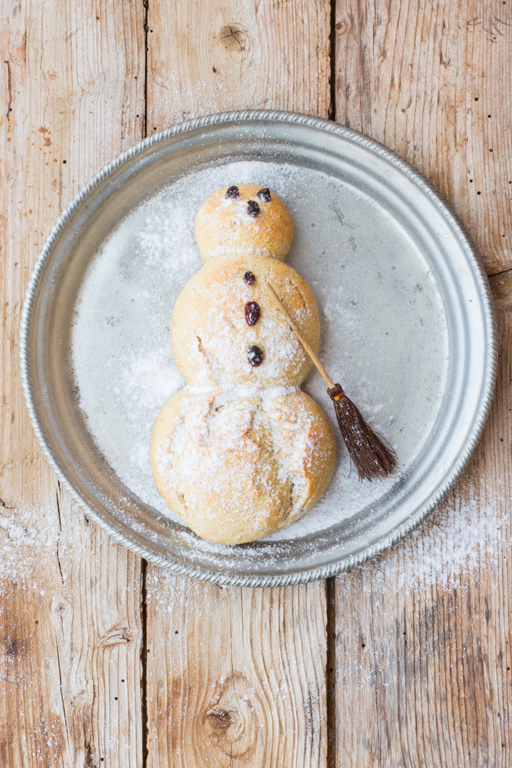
241	451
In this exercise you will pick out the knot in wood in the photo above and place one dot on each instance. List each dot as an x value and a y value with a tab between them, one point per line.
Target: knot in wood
12	648
233	37
232	721
220	719
229	726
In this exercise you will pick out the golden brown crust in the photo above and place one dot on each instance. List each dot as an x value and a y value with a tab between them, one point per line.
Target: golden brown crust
237	468
210	334
242	452
224	227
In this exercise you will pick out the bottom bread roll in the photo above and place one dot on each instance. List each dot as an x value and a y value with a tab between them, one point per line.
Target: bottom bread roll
239	464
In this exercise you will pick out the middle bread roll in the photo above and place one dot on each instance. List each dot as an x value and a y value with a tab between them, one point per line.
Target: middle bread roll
210	334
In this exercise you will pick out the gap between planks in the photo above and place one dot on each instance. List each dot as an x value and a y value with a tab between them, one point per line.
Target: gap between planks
144	563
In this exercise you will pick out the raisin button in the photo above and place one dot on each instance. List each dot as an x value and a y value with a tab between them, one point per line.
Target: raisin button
249	278
252	312
254	355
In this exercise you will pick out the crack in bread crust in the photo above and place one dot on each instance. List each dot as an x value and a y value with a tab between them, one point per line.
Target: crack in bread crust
235	467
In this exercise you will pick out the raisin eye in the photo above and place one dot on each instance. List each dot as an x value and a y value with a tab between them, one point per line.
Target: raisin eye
264	194
253	208
232	193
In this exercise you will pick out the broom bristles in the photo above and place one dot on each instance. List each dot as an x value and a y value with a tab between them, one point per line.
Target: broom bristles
372	458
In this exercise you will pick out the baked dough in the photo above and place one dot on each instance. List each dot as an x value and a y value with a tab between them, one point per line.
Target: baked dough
224	226
241	452
237	467
210	335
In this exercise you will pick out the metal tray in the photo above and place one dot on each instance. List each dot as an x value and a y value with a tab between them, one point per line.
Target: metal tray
407	325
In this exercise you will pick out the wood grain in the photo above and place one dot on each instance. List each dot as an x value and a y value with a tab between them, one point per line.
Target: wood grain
236	677
422	633
429	80
70	629
421	663
211	57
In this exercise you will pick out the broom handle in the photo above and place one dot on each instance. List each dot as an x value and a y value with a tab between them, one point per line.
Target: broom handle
313	356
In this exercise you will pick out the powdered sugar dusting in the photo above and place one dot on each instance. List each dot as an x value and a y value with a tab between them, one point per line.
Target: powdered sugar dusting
446	551
465	532
237	467
30	536
381	336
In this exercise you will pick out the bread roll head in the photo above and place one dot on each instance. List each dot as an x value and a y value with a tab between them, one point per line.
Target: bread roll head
212	338
238	468
243	220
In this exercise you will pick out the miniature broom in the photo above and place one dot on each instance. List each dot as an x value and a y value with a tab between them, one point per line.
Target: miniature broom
371	457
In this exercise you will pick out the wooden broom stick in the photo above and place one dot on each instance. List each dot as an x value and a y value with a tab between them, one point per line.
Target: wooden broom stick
323	373
371	457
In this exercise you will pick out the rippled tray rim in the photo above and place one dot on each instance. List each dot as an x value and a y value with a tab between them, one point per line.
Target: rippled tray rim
491	359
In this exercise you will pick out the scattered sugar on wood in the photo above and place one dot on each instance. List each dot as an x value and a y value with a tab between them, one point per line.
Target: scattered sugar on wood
447	551
30	537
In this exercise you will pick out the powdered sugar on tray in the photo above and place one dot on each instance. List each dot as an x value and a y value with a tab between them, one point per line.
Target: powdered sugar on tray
383	332
460	538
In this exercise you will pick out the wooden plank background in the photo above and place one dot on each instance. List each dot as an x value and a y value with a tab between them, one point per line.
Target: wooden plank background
108	661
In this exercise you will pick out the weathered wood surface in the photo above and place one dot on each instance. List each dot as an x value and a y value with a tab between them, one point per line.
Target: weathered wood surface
72	97
237	675
431	80
423	658
212	57
421	662
104	661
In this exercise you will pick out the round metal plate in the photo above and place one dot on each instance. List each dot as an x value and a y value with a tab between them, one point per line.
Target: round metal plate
407	324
